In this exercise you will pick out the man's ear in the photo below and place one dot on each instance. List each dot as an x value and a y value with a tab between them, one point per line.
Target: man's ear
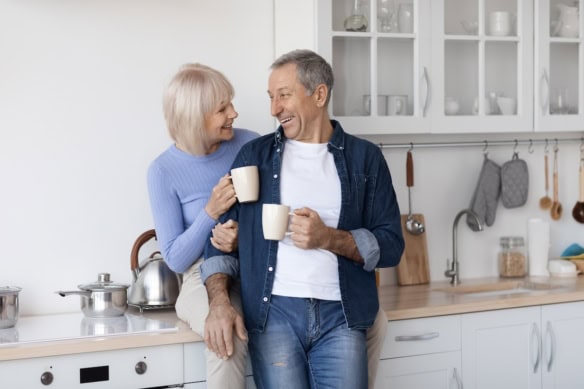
320	94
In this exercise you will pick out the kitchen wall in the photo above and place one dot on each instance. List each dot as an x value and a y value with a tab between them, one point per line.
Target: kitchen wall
80	120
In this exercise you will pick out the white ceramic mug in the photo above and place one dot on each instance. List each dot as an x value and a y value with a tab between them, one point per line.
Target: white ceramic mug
397	105
246	183
500	23
275	220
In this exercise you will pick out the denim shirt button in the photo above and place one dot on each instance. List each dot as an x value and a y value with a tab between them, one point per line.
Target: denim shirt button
275	176
270	268
265	299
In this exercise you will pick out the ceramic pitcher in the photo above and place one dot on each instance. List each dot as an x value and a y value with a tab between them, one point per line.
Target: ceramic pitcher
568	23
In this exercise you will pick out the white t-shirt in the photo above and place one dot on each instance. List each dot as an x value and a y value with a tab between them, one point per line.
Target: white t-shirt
309	178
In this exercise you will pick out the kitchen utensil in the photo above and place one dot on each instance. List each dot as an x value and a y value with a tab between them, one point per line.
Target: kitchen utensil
9	306
578	210
413	268
413	226
556	209
154	285
103	298
357	21
546	202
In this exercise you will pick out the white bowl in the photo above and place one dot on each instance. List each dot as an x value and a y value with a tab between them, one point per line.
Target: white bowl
562	268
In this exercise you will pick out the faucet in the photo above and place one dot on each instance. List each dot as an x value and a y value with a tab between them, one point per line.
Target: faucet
453	271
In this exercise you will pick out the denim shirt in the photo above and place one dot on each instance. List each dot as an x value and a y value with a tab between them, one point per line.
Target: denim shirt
369	211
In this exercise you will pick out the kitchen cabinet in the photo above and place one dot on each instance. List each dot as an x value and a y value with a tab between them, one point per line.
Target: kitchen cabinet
451	68
559	74
532	347
421	353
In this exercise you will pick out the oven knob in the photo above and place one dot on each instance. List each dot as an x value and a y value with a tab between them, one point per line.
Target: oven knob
47	378
141	367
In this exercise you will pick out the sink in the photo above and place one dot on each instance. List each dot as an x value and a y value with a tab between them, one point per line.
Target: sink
498	289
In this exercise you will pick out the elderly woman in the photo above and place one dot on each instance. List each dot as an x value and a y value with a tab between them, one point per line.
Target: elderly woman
189	189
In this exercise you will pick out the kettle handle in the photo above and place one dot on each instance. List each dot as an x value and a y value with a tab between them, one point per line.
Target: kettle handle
145	237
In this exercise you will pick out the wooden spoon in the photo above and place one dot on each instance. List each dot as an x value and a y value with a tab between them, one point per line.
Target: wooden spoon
556	210
578	211
546	202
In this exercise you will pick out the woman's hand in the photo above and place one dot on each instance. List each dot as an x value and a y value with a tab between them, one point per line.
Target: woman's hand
222	198
225	236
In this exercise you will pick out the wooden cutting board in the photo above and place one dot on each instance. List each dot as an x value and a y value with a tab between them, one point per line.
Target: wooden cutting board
413	268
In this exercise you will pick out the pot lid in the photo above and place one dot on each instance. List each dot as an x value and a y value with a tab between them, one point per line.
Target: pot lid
102	284
9	290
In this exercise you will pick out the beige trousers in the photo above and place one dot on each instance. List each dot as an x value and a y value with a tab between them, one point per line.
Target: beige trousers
192	306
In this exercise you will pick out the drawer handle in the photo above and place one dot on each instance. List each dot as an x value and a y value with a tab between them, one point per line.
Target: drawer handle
413	338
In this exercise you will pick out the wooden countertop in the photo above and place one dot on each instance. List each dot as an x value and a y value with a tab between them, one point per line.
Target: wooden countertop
399	302
440	298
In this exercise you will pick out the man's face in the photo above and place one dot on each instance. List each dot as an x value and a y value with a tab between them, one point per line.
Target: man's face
296	112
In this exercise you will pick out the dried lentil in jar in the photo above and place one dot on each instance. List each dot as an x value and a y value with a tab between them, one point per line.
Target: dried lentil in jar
512	258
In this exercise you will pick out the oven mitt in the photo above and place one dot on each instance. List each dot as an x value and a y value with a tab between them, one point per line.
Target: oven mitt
514	182
486	196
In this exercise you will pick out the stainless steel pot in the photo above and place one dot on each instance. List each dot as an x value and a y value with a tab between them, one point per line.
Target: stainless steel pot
103	298
155	285
8	306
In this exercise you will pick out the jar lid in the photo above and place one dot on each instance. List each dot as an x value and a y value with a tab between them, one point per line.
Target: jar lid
9	290
511	241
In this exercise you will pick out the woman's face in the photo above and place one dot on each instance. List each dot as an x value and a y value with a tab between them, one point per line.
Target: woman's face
219	126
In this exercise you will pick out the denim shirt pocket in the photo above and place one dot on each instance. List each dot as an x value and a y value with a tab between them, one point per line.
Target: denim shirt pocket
364	192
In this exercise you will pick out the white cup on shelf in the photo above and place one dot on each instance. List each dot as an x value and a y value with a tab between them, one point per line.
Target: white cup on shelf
500	23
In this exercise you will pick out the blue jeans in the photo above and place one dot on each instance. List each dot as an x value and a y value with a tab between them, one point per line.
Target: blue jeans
307	344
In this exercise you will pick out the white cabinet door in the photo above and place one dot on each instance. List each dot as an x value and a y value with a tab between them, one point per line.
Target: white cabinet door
483	78
559	70
501	349
432	371
563	341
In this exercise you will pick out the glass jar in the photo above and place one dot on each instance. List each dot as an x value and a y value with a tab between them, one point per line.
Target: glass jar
512	258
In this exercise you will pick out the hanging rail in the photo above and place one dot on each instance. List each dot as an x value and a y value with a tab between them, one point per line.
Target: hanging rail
484	143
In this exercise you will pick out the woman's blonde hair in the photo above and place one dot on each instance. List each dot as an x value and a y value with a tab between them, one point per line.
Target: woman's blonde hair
193	92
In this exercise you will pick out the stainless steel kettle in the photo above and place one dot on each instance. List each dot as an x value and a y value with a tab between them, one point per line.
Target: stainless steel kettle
154	285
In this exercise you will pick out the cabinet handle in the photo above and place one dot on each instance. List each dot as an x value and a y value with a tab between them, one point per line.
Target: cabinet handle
425	93
544	91
535	334
413	338
552	338
456	379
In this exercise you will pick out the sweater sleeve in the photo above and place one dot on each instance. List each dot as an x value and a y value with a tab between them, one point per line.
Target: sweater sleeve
180	246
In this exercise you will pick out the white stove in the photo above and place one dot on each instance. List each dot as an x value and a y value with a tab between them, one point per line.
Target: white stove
139	366
31	329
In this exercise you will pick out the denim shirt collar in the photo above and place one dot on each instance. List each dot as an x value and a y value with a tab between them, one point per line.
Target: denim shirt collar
337	140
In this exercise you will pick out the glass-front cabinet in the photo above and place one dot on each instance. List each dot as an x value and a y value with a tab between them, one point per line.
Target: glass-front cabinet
481	65
422	66
380	53
559	67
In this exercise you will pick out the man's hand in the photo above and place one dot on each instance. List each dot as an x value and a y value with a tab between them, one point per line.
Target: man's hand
308	229
310	232
222	319
225	236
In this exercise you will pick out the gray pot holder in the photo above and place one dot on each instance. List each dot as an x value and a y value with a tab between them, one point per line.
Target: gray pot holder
514	182
486	196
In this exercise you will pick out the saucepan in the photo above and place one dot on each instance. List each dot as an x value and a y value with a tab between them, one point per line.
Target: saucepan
8	306
103	298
